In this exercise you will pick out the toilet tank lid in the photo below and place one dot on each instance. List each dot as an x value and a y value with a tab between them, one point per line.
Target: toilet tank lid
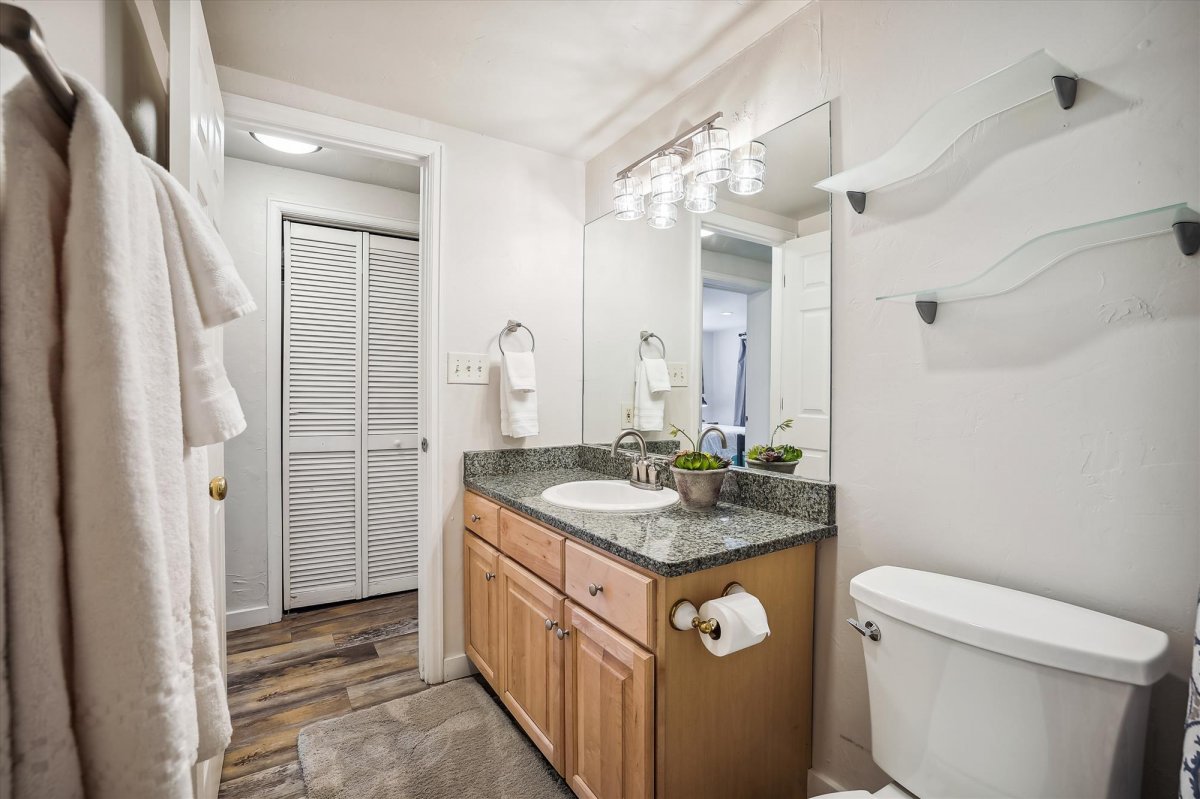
1016	624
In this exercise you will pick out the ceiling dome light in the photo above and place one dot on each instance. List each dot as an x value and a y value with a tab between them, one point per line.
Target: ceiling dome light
285	145
701	197
710	155
749	166
666	178
628	201
663	215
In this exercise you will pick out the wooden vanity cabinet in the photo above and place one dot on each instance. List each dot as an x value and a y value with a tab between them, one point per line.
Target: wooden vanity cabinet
532	657
481	603
609	712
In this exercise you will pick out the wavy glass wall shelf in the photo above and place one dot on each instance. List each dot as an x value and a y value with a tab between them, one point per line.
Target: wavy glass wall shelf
1037	255
943	124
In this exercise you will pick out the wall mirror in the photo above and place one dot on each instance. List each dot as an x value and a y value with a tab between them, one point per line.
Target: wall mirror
738	302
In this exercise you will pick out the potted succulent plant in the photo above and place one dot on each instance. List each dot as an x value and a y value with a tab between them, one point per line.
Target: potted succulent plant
782	458
698	475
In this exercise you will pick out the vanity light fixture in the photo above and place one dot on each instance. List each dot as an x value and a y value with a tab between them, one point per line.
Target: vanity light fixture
749	166
285	145
700	198
628	200
666	178
710	155
663	215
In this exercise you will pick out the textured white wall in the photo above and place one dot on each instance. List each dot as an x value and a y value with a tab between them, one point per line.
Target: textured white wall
248	186
1047	440
512	247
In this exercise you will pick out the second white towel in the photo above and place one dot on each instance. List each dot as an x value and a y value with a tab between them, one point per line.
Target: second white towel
652	383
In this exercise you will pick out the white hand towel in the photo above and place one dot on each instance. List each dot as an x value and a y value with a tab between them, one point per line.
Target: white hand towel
519	367
199	266
518	410
648	406
658	378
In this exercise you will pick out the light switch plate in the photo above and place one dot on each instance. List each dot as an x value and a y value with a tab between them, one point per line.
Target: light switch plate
626	417
467	367
679	373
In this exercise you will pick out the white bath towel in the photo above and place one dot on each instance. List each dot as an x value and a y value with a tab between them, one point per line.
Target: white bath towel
658	377
648	406
114	400
521	371
518	410
211	414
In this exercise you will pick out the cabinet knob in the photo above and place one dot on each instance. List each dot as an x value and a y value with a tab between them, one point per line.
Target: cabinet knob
550	624
561	633
474	517
218	488
594	589
489	576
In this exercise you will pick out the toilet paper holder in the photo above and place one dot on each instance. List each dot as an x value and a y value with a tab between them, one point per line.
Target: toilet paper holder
685	616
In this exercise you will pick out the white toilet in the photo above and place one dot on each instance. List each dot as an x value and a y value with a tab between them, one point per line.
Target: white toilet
980	691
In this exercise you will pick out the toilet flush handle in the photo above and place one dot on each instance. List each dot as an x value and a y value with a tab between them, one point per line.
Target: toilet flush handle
869	629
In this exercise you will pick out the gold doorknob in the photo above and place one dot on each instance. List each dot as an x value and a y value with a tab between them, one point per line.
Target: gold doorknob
218	488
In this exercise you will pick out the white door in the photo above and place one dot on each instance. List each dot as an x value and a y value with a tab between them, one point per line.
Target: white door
350	387
197	160
804	378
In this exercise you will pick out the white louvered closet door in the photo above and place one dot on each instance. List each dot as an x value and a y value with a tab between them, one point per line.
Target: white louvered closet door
323	270
393	330
351	327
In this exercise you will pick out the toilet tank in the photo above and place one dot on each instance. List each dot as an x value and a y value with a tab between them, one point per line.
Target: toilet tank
981	691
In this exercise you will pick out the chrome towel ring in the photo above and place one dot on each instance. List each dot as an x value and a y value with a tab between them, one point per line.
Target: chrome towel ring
512	327
646	336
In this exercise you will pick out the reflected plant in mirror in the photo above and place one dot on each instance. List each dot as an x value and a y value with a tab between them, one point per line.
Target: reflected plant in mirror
739	291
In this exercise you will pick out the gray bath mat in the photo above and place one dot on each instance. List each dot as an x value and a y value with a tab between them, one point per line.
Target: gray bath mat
451	741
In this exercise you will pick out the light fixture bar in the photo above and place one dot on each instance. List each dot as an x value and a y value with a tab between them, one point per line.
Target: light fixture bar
673	144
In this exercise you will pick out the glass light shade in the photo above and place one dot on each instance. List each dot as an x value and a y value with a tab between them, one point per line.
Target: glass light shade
749	166
628	201
663	215
666	178
701	197
710	155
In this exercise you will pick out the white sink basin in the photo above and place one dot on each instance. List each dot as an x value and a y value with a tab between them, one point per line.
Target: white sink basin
608	496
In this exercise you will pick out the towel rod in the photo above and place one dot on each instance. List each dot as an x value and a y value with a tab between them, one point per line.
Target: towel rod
646	336
512	327
20	33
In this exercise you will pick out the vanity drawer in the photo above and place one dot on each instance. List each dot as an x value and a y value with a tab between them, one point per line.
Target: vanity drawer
533	546
482	517
623	598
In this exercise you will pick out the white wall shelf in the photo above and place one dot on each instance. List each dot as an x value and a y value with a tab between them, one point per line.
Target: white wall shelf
1037	255
951	117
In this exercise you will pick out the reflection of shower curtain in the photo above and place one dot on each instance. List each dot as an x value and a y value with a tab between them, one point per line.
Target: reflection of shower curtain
1189	777
739	389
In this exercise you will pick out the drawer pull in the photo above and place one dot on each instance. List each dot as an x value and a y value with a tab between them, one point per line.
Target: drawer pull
474	517
550	625
561	633
594	589
489	576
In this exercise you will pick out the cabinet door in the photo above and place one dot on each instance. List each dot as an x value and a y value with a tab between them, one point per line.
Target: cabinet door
532	657
481	585
610	712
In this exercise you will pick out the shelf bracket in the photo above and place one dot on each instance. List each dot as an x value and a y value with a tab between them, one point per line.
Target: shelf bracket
1065	88
858	200
928	310
1187	236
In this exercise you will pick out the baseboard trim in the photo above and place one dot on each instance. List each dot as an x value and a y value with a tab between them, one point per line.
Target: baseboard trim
820	784
456	667
247	617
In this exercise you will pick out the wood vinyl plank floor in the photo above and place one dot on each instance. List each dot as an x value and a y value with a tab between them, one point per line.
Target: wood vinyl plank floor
315	664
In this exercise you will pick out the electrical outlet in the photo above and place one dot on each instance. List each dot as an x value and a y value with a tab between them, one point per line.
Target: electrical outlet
467	367
626	417
679	373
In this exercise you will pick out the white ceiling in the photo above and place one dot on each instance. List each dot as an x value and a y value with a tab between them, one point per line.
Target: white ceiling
717	304
565	77
331	162
731	245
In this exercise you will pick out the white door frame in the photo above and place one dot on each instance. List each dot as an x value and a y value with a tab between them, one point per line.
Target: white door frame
260	115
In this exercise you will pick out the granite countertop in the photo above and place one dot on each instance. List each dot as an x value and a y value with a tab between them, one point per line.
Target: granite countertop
670	542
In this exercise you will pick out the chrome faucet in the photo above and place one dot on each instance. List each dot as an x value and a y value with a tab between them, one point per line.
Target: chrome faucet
642	472
708	431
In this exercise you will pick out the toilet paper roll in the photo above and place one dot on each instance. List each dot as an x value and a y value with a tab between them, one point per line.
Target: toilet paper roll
742	619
